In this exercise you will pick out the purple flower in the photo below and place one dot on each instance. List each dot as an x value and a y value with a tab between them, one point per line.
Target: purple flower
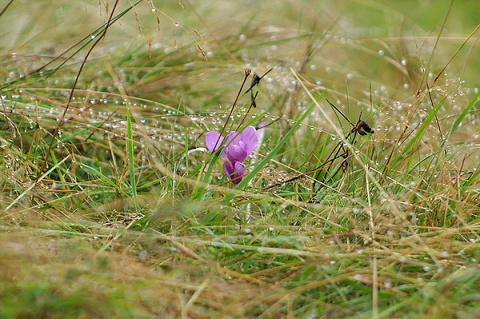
237	147
234	170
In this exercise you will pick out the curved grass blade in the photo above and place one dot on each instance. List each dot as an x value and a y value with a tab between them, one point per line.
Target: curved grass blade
460	117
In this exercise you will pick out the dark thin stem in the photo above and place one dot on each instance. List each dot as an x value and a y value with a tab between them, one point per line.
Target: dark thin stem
91	35
6	7
248	111
455	54
247	74
256	80
340	112
72	91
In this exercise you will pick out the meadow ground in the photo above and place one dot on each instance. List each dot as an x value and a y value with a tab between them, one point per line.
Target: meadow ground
113	207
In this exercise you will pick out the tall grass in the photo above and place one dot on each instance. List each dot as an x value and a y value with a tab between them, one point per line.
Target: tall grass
112	207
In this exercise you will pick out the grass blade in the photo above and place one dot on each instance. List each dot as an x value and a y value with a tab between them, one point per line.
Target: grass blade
131	156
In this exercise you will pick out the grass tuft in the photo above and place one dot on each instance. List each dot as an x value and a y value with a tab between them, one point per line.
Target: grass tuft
361	200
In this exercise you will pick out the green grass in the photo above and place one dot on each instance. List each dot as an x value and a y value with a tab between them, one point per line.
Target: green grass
113	208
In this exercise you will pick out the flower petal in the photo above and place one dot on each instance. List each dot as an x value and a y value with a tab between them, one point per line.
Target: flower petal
213	141
236	152
239	169
230	137
234	170
228	168
250	138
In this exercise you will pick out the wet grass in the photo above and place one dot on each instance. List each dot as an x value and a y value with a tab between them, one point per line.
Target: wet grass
113	208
